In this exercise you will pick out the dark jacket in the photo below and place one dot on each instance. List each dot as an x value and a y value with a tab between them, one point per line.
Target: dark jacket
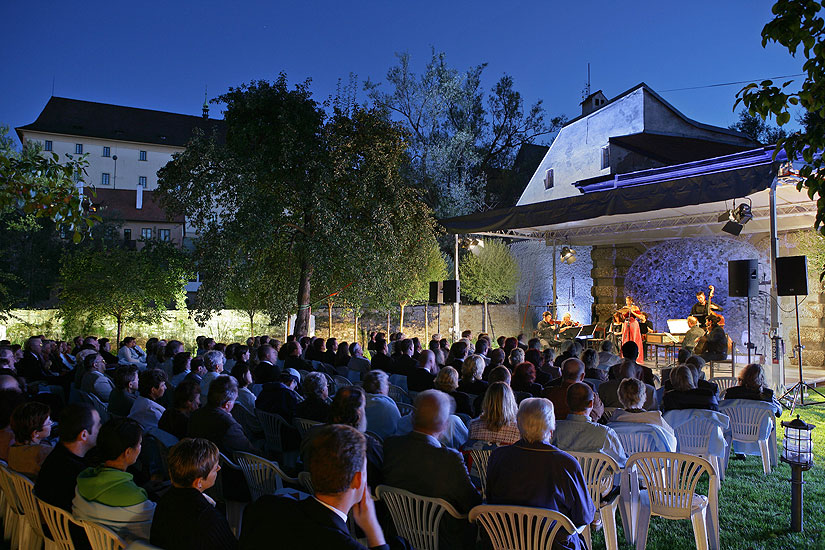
379	361
278	399
463	404
404	364
420	379
313	408
185	520
266	372
290	524
174	422
219	427
473	387
57	479
698	398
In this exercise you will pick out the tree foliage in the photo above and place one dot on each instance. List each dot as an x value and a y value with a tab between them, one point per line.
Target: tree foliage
489	275
128	286
757	129
799	27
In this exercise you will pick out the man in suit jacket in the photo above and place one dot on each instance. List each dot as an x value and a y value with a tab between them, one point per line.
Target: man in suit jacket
572	371
337	465
267	371
404	363
418	463
215	422
421	377
609	391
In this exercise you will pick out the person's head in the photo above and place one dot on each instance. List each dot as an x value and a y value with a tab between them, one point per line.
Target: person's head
405	346
567	318
152	384
34	344
8	355
534	356
241	353
482	346
94	362
498	408
524	373
692	321
627	369
630	350
343	351
607	346
348	408
213	361
376	382
534	343
129	342
267	353
315	385
336	460
459	350
499	374
105	345
355	350
181	362
446	380
590	358
536	420
579	398
318	346
187	397
208	343
713	321
242	374
696	364
681	378
467	334
497	357
628	300
223	391
31	422
700	297
472	368
173	347
572	369
509	345
119	443
79	423
516	356
684	355
332	344
193	463
380	345
432	412
752	377
547	316
196	366
427	360
632	393
126	378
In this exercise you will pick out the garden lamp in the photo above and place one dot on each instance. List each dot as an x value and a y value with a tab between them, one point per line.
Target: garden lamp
798	452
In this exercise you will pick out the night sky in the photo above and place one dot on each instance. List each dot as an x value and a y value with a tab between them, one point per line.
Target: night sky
161	55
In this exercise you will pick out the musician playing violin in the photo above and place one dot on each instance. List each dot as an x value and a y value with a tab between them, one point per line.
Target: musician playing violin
567	321
704	306
631	316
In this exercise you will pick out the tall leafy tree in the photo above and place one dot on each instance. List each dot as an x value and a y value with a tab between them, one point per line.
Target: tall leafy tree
757	129
488	274
418	264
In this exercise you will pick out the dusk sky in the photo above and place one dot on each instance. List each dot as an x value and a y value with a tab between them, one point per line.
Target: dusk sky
161	55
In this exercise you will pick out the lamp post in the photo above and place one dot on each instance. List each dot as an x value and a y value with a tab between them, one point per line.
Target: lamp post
114	182
798	453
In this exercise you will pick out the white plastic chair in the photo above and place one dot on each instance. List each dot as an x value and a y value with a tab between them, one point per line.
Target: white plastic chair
234	509
608	413
404	408
671	480
263	477
480	459
341	382
31	533
753	422
58	521
694	438
273	424
599	471
303	425
522	527
398	394
637	442
724	382
13	520
101	537
416	518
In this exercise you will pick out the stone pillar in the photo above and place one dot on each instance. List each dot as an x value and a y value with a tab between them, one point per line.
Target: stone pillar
610	265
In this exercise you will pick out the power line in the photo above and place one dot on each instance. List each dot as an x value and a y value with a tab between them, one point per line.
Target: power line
731	83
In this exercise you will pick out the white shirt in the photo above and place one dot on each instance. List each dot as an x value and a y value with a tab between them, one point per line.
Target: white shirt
338	512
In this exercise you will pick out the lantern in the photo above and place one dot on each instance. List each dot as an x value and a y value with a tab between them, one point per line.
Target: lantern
797	451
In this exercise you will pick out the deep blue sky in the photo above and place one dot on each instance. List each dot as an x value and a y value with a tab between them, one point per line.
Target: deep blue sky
160	55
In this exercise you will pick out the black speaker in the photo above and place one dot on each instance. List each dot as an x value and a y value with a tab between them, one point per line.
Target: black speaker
792	276
436	292
452	292
743	278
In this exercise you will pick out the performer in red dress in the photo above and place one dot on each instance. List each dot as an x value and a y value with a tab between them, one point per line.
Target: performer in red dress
631	314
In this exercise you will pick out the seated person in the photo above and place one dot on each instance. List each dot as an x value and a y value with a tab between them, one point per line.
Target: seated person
187	399
181	367
382	412
590	358
357	362
336	459
106	494
147	410
32	425
532	472
316	403
685	394
79	426
213	361
580	434
630	354
716	344
95	380
419	463
609	391
572	371
10	399
447	381
524	378
606	356
693	334
280	397
497	423
423	376
215	421
515	357
130	354
242	372
632	395
471	373
186	518
752	386
496	360
126	391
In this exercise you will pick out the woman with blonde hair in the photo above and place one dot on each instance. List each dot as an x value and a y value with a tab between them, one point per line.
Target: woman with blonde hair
447	381
497	423
471	373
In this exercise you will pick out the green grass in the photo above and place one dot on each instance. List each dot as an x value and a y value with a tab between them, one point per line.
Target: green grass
755	509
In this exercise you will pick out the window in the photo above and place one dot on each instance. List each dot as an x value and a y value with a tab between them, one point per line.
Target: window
142	155
142	181
146	233
104	178
605	157
127	234
78	148
164	234
107	152
48	145
548	179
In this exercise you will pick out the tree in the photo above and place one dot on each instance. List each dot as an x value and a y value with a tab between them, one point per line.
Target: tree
419	264
798	26
488	273
128	286
757	129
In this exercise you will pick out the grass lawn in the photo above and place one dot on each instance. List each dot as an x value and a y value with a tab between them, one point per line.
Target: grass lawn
755	509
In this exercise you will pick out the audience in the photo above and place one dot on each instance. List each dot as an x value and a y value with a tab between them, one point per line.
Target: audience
357	362
316	403
267	370
95	380
215	421
606	356
280	397
213	362
447	381
10	399
380	357
126	391
752	386
572	372
32	424
685	394
632	395
472	372
146	409
381	411
423	376
497	423
187	399
609	390
181	367
524	376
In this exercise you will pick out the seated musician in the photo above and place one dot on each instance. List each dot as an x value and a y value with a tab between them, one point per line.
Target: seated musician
703	307
546	327
716	344
567	321
693	334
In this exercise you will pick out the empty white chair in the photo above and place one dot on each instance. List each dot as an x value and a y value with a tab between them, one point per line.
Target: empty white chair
671	480
262	476
599	472
274	425
58	521
724	382
101	537
752	423
522	527
416	518
480	459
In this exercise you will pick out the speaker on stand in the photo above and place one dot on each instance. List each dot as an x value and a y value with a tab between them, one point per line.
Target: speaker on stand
743	282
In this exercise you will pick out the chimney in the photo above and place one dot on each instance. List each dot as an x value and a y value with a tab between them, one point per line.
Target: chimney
593	102
139	197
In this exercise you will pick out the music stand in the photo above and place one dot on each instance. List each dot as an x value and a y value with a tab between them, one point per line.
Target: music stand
570	333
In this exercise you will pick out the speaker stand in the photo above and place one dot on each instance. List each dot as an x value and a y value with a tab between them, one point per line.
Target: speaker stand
797	391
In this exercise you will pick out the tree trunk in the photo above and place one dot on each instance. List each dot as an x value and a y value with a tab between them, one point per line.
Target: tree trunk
119	331
302	318
484	318
426	324
355	327
401	320
329	330
388	326
251	323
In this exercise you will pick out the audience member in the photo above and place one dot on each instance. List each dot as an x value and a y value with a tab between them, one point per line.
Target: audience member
173	347
404	362
357	361
213	362
380	357
472	372
146	409
342	356
32	424
606	356
572	372
316	403
590	358
187	399
267	370
196	370
632	395
497	423
752	386
95	380
609	390
381	411
181	367
524	377
280	397
10	399
126	391
215	422
130	354
685	394
447	381
423	376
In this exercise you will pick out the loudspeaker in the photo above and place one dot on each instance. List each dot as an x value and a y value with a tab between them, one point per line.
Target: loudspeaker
792	276
452	292
743	278
436	292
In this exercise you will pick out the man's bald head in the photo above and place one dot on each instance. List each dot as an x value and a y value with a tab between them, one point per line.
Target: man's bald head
572	369
432	412
427	360
9	383
579	397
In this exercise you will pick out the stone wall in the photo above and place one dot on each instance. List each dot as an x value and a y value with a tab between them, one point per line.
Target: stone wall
610	266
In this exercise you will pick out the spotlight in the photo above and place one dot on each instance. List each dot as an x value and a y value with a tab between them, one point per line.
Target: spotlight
736	218
475	246
568	255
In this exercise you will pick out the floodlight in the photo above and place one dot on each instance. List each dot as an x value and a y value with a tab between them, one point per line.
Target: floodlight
568	255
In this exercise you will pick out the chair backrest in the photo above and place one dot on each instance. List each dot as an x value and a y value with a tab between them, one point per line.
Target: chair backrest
642	437
637	442
398	395
304	424
416	518
521	527
244	417
217	490
693	436
609	412
93	400
480	459
305	481
671	480
58	521
24	489
404	408
10	491
271	423
749	420
342	381
263	476
724	382
303	373
101	537
598	470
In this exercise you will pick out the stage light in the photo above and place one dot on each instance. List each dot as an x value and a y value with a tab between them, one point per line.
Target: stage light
475	246
568	255
736	218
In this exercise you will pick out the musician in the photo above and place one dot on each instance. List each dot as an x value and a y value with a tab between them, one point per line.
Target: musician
547	326
703	306
631	316
716	343
693	334
567	321
645	323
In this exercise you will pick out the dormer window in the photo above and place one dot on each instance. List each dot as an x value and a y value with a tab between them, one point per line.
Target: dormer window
548	179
